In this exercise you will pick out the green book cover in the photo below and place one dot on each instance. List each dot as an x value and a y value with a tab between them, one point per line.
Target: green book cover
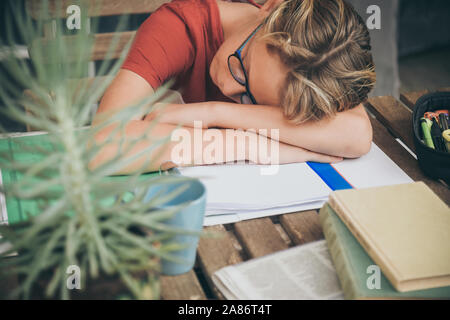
25	149
354	266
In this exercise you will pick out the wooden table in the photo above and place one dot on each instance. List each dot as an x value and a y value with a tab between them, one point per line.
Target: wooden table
242	241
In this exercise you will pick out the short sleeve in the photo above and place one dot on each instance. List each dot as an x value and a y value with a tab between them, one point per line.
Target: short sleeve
162	48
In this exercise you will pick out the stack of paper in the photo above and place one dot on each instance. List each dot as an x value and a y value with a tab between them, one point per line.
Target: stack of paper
244	191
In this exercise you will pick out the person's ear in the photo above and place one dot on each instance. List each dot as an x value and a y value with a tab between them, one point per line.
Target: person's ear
269	6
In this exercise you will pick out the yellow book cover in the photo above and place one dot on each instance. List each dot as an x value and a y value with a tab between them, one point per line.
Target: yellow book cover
404	228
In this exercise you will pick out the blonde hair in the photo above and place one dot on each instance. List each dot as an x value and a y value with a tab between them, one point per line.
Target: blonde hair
326	46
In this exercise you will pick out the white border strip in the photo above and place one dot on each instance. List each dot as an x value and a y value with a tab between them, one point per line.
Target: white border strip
18	51
406	148
21	134
4	213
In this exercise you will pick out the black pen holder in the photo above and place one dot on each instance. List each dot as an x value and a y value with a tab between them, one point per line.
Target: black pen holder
434	163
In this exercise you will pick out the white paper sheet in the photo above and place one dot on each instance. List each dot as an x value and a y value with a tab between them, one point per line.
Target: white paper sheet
211	220
375	169
239	186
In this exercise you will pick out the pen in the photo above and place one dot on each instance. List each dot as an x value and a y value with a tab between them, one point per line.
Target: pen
443	121
436	135
426	129
446	137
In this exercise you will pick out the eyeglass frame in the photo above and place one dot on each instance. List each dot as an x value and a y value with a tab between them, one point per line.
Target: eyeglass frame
237	54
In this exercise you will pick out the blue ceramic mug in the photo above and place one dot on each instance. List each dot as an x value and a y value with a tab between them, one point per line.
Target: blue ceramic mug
188	218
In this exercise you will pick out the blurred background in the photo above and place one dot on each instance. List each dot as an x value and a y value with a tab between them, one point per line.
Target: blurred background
411	50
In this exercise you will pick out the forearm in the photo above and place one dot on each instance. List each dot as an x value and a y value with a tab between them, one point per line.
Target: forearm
120	144
187	147
348	134
184	146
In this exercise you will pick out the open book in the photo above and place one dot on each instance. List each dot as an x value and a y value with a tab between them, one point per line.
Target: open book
304	272
238	192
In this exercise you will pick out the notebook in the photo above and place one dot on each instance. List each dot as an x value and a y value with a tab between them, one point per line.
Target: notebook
404	229
23	148
237	192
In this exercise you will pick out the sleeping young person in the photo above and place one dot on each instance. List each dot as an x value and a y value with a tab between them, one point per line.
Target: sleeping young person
303	67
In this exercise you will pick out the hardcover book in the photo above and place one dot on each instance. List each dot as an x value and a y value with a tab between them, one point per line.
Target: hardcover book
404	229
357	272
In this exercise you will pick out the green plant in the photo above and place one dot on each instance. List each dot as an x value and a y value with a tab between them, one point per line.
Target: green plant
86	218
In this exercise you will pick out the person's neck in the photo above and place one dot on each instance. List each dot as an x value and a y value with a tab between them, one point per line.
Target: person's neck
236	16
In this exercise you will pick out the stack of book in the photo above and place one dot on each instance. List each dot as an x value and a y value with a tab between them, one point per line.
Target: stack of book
389	242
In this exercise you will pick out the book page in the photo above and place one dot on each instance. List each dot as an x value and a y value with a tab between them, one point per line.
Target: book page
301	273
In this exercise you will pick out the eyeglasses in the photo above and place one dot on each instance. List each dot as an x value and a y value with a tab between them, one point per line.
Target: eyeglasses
237	70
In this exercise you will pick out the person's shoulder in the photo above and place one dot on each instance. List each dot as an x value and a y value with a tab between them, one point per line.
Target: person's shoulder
189	14
197	15
188	8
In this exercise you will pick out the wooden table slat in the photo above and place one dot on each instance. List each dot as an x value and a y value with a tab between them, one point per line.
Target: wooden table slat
57	8
302	227
404	160
105	45
182	287
259	237
217	252
395	116
410	98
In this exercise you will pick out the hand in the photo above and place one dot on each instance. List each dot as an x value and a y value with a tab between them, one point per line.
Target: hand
292	154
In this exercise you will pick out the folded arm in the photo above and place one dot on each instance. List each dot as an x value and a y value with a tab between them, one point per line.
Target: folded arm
128	88
348	134
184	149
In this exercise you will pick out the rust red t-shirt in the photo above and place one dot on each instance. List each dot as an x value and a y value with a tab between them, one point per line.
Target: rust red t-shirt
179	41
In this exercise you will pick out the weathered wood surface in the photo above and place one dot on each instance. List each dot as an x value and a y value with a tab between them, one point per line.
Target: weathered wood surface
182	287
302	227
105	46
58	8
217	251
259	237
410	98
394	116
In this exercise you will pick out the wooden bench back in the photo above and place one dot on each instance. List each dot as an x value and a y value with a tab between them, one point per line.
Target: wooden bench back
57	9
94	8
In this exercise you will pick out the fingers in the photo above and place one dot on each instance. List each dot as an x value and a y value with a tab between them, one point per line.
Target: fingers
149	117
291	154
